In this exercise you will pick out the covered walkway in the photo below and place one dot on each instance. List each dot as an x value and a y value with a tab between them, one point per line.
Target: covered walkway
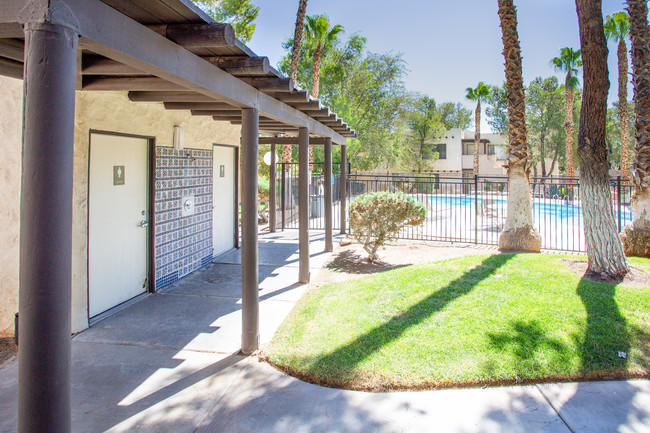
171	363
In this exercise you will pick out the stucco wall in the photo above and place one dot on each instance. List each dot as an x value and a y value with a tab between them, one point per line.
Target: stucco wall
112	111
11	109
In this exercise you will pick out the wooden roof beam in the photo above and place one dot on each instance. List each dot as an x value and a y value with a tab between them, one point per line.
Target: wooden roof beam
296	96
11	68
171	97
129	83
199	35
281	85
12	49
242	66
212	106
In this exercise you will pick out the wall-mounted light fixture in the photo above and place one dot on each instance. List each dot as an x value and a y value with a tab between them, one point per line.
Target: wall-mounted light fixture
178	138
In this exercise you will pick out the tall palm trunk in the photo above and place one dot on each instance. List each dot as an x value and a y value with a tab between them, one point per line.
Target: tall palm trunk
519	232
604	248
569	166
316	71
622	109
286	153
636	236
315	85
477	136
297	39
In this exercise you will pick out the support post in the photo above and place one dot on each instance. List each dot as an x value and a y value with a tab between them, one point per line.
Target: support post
249	253
329	247
303	204
46	229
272	196
283	191
344	188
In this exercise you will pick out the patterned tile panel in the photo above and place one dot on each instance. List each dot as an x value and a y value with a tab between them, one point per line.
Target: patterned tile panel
183	243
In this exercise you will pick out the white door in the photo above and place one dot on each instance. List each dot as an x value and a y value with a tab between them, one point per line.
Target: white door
223	190
117	220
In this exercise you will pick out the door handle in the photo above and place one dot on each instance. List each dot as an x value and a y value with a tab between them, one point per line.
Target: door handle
144	223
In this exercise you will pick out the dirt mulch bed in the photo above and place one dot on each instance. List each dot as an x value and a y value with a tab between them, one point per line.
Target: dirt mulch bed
635	278
7	349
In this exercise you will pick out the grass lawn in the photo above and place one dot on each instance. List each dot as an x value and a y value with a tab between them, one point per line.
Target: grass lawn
497	319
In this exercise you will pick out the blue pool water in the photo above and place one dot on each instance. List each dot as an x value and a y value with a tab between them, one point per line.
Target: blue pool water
542	209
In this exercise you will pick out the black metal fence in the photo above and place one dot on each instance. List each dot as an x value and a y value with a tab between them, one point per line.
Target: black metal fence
465	208
473	209
287	196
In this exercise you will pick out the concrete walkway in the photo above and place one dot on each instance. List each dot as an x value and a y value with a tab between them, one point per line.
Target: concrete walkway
169	363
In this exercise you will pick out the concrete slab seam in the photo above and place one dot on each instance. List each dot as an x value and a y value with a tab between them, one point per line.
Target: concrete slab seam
556	410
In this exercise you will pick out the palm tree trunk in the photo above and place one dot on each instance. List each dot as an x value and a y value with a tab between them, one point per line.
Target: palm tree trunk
604	248
297	39
477	136
636	236
622	109
286	153
569	167
519	232
316	72
315	86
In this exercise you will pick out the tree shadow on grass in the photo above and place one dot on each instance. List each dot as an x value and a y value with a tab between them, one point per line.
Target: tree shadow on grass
606	341
337	367
351	263
535	352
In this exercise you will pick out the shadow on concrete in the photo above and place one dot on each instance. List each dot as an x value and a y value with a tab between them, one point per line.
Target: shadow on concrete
342	362
280	404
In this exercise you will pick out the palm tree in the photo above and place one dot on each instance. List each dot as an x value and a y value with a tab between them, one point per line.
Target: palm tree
606	258
320	36
617	27
297	39
295	60
519	232
636	236
480	93
569	62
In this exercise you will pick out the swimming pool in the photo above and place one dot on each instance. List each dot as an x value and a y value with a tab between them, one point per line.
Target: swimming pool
545	209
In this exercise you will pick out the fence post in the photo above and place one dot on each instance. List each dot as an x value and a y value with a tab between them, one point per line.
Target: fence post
284	192
618	201
476	209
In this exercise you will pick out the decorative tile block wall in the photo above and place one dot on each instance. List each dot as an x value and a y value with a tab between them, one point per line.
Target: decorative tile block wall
183	243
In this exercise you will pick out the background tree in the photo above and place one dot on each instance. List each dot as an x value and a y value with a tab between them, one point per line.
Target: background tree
613	136
519	232
604	248
636	235
299	29
480	93
617	28
368	91
454	115
424	127
320	35
497	109
544	103
297	39
238	13
569	62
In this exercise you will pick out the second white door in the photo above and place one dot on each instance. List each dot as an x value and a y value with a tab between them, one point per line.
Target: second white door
223	190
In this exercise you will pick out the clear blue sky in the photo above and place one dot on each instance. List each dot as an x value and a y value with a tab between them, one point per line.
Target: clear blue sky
448	45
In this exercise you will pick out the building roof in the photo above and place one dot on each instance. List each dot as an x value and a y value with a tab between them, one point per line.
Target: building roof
186	25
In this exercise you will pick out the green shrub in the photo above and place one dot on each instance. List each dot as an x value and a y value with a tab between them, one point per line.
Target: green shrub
376	218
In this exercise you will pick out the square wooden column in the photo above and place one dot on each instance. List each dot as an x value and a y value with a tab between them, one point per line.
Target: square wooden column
249	251
329	246
303	204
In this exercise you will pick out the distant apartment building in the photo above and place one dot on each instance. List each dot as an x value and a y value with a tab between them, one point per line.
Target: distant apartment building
456	155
